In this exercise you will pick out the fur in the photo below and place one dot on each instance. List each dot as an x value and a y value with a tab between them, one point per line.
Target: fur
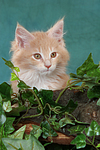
46	72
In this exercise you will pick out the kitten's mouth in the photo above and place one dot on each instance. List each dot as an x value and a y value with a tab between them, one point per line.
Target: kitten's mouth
47	71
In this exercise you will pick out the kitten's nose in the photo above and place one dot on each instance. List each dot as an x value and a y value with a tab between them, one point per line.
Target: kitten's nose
48	66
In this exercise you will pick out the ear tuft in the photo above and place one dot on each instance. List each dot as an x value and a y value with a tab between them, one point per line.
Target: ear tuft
22	36
57	30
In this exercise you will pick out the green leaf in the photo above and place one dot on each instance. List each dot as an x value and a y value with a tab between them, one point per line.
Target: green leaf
5	90
54	122
17	69
71	106
89	81
2	135
8	63
8	125
36	131
98	145
0	99
14	77
89	68
46	96
2	116
28	95
47	130
98	102
72	75
35	90
7	106
19	133
94	92
31	144
77	129
79	141
22	85
93	129
16	111
64	121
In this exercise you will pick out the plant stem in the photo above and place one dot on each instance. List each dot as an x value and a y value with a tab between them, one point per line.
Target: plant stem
22	116
39	105
38	101
92	144
33	115
93	139
68	86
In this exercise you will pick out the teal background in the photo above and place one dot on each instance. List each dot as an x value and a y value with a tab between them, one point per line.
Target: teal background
82	24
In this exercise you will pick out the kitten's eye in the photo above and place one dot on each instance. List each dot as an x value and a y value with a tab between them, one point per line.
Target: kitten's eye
53	55
37	56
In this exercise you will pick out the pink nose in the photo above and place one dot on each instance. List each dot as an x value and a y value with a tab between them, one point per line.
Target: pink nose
48	66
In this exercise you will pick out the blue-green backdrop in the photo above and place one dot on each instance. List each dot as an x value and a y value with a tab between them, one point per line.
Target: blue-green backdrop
82	24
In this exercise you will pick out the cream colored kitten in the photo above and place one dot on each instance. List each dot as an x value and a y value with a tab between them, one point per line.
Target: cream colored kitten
41	57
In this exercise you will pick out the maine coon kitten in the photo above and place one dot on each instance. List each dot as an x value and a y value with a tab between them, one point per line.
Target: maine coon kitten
41	57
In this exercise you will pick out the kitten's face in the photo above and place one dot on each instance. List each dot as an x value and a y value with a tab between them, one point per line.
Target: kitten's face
45	60
44	54
42	51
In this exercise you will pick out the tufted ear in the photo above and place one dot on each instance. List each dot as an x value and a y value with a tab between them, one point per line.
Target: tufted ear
57	30
23	37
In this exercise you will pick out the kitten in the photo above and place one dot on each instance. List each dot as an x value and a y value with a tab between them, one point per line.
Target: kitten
41	57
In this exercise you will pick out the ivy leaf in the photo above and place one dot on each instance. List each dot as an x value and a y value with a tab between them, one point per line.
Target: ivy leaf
16	111
77	129
88	67
14	77
89	81
2	116
71	106
93	129
28	95
54	122
36	131
47	130
94	92
64	121
22	85
17	69
35	90
2	135
19	133
8	125
0	99
8	63
5	90
46	96
79	141
7	106
98	145
31	144
98	102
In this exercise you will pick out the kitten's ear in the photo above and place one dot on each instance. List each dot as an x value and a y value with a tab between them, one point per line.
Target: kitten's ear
23	37
57	30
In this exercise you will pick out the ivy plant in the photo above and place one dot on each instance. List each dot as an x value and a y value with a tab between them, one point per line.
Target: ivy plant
55	115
